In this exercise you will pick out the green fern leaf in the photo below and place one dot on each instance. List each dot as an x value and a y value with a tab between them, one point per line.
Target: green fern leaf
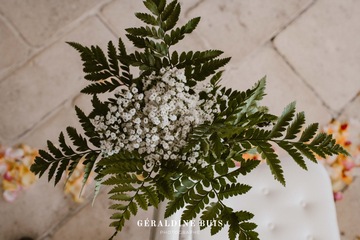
190	26
160	5
141	200
320	138
77	139
244	215
147	18
122	48
151	195
216	228
216	78
212	211
122	188
172	19
283	121
114	66
71	167
118	206
165	188
96	190
86	124
52	170
97	76
61	169
100	56
322	152
152	7
293	153
168	10
101	87
99	108
89	165
121	197
64	147
309	132
133	208
232	190
295	126
208	68
268	153
138	42
196	203
39	166
306	151
54	150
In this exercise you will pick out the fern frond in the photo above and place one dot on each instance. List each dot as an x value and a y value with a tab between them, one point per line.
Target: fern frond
168	10
309	132
147	18
101	87
268	153
283	121
295	154
172	19
234	189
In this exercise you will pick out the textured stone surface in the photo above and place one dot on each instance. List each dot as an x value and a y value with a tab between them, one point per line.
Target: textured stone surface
51	128
283	86
37	20
34	211
239	27
11	47
46	81
352	109
322	47
347	210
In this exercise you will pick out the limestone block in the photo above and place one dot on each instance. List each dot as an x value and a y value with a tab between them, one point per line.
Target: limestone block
48	80
38	20
347	210
283	86
322	46
239	27
352	109
12	49
51	128
34	211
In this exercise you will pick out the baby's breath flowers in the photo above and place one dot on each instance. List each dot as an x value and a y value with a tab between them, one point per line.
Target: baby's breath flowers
155	121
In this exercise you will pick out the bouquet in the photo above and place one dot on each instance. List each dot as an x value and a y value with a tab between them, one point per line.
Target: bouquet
172	132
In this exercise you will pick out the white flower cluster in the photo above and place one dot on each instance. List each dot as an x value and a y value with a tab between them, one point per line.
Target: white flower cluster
156	122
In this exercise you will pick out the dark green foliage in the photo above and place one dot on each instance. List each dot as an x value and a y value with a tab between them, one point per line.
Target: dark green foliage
104	72
58	161
241	126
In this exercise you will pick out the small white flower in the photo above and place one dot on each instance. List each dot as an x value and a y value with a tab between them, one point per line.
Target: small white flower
132	111
128	95
137	120
140	96
134	90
